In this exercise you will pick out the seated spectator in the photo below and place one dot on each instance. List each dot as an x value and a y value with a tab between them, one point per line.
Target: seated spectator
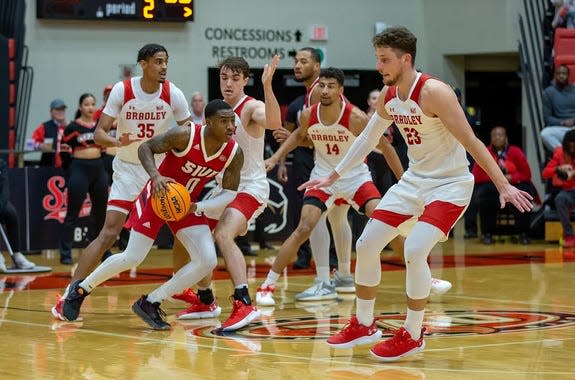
198	104
48	135
514	165
560	170
558	109
9	217
564	14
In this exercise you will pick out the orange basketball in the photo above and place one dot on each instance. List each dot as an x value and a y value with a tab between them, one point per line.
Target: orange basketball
175	205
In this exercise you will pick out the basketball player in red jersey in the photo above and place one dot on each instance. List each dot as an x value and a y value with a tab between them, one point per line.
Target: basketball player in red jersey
331	125
142	107
252	118
194	156
427	201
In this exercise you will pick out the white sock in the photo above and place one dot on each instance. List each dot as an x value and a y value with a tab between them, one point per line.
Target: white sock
240	286
271	279
364	311
414	322
344	269
323	273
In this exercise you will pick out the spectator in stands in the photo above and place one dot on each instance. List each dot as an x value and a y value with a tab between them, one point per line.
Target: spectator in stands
560	169
564	14
514	165
371	100
558	109
9	217
48	135
198	104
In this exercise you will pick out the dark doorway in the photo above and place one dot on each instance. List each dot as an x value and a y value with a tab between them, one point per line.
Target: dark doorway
496	96
358	84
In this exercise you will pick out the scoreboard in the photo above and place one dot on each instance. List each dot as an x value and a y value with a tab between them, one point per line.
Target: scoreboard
128	10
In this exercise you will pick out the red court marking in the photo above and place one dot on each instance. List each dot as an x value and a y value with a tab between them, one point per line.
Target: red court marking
158	275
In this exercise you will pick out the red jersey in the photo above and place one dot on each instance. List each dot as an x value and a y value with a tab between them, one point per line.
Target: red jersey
192	167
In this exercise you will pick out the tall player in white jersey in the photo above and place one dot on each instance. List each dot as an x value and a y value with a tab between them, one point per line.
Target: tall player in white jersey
331	125
427	201
253	117
143	107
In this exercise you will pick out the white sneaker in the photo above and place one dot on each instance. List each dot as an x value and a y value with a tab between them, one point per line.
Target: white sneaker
265	296
2	264
439	286
343	284
319	291
22	262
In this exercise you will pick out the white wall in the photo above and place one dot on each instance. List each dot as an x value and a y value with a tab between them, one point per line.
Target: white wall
71	57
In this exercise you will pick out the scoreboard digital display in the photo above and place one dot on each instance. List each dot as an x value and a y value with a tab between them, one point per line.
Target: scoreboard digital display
134	10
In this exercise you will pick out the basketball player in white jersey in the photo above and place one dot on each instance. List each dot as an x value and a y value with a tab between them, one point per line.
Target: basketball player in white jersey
427	201
331	125
307	69
253	117
143	107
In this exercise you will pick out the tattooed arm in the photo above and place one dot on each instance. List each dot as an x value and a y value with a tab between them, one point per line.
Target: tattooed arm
177	139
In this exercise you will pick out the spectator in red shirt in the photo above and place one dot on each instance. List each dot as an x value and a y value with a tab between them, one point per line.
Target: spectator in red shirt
514	165
48	135
560	170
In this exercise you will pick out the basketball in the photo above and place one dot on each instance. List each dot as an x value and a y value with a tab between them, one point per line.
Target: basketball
175	205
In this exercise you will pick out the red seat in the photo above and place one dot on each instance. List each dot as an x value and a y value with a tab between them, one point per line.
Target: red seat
565	59
12	94
564	46
11	48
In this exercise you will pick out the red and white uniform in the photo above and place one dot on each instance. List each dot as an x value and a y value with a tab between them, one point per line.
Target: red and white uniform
437	186
254	189
331	143
192	168
143	116
307	99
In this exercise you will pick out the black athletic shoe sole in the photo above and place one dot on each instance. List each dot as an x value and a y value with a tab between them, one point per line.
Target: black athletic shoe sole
146	318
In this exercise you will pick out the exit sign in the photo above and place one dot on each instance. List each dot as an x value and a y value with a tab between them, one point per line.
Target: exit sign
318	33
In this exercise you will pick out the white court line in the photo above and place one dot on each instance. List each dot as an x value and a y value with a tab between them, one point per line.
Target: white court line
307	359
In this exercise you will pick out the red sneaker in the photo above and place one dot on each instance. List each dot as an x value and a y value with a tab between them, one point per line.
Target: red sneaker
398	346
353	334
242	315
187	296
57	309
200	310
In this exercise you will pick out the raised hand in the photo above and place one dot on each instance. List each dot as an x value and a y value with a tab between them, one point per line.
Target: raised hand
269	70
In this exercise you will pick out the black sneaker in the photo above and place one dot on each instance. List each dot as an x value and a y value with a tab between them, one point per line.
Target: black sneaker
151	313
73	302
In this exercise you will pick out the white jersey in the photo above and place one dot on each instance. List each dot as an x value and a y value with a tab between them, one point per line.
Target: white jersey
332	142
253	177
434	153
143	115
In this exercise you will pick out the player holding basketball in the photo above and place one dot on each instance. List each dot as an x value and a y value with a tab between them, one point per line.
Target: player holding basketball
142	107
194	155
331	125
253	117
428	199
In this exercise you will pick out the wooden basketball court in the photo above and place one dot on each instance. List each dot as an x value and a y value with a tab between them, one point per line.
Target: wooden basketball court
510	315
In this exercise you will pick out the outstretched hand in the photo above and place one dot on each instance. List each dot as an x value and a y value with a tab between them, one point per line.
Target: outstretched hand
270	69
125	139
270	163
317	183
519	198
